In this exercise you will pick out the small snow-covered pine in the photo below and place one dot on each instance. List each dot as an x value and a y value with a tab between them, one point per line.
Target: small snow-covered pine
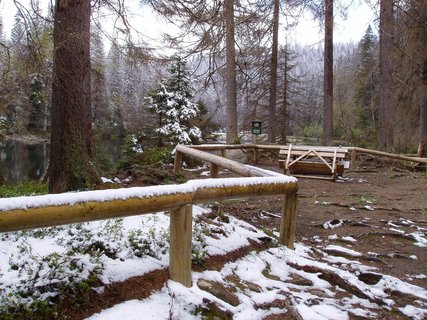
172	102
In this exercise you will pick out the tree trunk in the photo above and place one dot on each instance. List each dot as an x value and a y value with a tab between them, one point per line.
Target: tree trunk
284	118
231	134
386	110
328	123
422	38
273	76
422	148
72	150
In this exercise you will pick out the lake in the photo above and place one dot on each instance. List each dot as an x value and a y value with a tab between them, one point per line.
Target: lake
22	161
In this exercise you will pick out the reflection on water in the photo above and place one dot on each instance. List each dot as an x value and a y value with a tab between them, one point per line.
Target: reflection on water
20	161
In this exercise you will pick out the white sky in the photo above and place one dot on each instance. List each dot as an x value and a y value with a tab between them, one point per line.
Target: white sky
307	33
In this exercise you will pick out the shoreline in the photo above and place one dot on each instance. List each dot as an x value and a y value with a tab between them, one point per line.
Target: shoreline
26	138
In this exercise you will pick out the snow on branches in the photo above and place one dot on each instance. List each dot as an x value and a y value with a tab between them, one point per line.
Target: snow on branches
172	102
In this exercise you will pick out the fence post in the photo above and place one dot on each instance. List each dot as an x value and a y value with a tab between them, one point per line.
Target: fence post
180	245
288	220
255	155
178	160
353	162
214	170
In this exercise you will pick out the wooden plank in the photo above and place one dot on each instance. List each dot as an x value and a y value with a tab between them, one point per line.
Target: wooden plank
339	154
331	177
319	148
180	245
309	167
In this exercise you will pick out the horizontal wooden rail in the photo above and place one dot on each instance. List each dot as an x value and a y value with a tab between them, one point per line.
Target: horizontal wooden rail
353	151
231	165
389	155
21	213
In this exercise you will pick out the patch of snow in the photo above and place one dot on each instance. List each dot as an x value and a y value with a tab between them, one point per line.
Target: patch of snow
333	224
349	239
419	237
414	312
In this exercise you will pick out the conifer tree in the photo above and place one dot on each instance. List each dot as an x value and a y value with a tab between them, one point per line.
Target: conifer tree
366	96
172	102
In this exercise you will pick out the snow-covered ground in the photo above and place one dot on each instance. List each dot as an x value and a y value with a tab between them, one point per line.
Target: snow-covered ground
36	264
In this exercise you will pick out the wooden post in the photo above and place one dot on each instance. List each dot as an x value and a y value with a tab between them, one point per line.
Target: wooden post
353	163
214	170
255	155
180	245
223	153
178	160
288	221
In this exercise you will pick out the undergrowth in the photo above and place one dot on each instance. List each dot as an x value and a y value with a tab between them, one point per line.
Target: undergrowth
24	189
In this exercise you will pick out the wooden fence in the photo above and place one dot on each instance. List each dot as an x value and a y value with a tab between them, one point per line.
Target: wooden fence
255	148
57	209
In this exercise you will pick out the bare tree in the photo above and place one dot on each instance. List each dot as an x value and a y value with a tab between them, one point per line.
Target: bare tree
273	75
231	134
422	26
422	148
386	111
328	97
72	151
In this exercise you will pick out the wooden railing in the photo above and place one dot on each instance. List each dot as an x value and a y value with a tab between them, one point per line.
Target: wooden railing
353	151
57	209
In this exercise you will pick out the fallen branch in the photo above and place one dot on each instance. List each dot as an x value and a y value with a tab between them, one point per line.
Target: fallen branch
263	212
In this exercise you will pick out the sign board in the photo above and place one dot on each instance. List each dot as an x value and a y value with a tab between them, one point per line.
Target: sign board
256	127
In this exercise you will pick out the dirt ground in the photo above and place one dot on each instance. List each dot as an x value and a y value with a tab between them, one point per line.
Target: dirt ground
376	210
379	207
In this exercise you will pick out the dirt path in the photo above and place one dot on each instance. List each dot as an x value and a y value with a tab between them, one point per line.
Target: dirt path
378	213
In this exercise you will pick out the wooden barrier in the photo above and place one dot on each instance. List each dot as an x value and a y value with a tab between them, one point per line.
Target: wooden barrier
51	210
355	150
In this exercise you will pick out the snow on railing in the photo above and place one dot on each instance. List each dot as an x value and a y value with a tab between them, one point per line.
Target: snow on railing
22	213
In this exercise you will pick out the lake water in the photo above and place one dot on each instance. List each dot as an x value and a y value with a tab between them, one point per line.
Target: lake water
21	162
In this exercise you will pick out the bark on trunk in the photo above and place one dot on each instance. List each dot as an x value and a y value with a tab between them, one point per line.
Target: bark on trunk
231	134
273	76
284	118
422	148
386	112
328	74
72	151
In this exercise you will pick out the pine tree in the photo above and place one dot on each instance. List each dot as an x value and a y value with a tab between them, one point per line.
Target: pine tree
37	103
100	107
366	97
171	101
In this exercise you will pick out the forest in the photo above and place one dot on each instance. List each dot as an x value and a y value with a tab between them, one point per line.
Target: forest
221	68
155	234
